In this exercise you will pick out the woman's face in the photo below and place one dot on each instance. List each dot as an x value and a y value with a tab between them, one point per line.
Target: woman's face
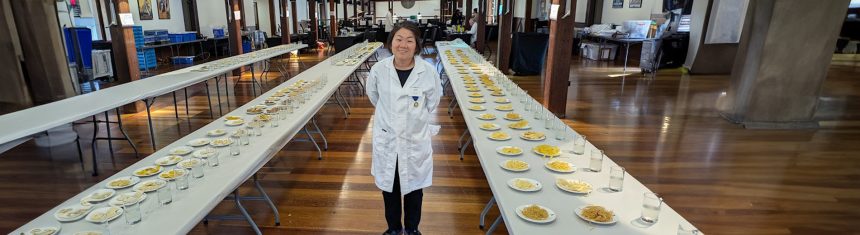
403	44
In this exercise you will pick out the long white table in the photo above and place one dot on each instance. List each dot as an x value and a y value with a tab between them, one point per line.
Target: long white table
190	206
33	120
627	204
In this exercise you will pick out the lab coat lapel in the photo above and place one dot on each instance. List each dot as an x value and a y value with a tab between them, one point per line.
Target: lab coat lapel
414	75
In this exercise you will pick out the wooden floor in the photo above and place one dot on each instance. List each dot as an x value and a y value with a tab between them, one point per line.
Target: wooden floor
663	129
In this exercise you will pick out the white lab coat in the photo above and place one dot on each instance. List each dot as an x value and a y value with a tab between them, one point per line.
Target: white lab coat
474	32
401	131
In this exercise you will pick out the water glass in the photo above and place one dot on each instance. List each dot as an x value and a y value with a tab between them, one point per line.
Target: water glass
282	113
245	137
686	229
197	170
182	181
616	178
165	196
275	120
132	213
213	160
596	163
651	208
234	146
560	130
549	120
258	130
579	145
528	106
538	110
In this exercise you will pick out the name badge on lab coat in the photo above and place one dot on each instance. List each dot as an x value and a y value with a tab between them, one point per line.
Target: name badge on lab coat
414	93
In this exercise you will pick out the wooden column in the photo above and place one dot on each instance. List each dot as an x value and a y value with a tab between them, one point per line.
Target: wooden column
505	27
234	30
285	28
295	12
481	37
355	4
468	12
529	23
125	52
312	10
346	10
557	68
442	10
272	22
332	29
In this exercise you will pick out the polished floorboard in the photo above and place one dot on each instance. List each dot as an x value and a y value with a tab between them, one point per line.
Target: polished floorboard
663	129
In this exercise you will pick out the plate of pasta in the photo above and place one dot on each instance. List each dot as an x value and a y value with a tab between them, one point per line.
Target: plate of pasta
524	184
573	186
535	213
597	214
560	166
514	165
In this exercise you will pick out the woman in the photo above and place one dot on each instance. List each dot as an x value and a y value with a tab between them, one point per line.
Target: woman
473	30
405	90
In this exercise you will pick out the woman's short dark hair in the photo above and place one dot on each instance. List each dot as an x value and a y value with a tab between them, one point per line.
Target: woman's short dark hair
412	27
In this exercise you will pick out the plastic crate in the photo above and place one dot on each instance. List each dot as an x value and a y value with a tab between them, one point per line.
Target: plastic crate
139	40
146	58
162	38
156	32
149	39
85	44
183	59
183	37
218	33
246	46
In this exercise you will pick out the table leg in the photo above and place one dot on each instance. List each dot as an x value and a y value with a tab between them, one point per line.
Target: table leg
185	92
209	98
175	107
494	225
93	146
245	213
268	200
149	103
626	54
218	93
485	211
227	89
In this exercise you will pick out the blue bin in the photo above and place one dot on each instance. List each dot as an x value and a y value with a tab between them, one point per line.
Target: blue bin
218	33
246	46
85	44
183	59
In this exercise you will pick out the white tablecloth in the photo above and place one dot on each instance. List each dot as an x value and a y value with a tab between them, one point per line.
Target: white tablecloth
190	206
626	204
43	117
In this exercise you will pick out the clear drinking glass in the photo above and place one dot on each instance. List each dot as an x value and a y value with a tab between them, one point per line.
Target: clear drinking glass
616	178
197	170
651	208
131	212
560	130
165	196
538	110
275	120
213	160
234	146
258	129
181	181
596	163
245	137
579	145
282	113
549	120
528	106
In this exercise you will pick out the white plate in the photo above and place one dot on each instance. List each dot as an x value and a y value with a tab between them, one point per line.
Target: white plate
234	122
38	230
523	128
490	137
158	183
477	101
88	233
127	198
134	180
198	142
518	119
107	194
158	170
572	167
486	119
500	101
188	163
179	172
81	210
540	154
503	164
547	220
477	108
103	210
494	128
578	213
537	185
591	187
182	151
499	150
221	142
205	153
216	132
524	138
505	109
168	160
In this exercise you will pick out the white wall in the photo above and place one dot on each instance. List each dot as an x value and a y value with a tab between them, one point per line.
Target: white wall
176	23
619	15
426	8
211	14
581	8
263	13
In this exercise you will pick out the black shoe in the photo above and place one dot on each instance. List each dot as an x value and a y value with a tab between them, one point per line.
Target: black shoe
391	232
413	232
